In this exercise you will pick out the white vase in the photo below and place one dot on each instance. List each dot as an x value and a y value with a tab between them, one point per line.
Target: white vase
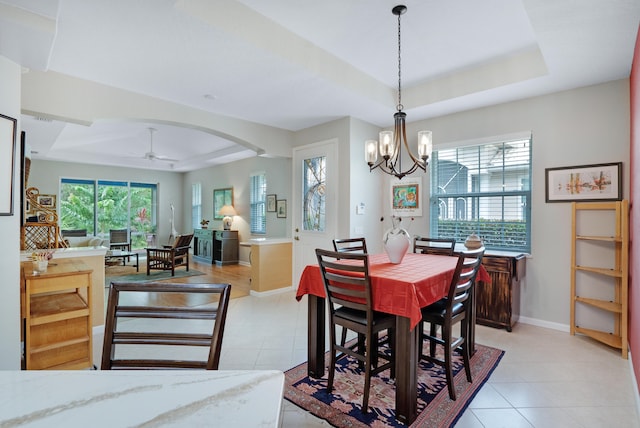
40	265
396	244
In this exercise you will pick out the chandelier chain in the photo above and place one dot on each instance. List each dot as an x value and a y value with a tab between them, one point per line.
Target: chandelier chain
399	106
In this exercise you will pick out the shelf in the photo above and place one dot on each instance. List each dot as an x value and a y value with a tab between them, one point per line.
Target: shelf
584	258
603	271
602	336
600	238
43	305
602	304
57	312
58	345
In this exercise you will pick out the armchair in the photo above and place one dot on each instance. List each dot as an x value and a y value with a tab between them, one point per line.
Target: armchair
170	257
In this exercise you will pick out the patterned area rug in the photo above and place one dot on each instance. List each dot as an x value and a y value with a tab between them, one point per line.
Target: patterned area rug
157	275
342	408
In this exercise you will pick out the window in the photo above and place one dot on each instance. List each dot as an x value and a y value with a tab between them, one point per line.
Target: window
196	204
483	189
258	203
99	206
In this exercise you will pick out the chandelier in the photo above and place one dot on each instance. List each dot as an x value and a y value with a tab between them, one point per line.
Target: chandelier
390	143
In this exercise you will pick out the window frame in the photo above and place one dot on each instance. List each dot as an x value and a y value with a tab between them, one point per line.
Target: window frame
502	232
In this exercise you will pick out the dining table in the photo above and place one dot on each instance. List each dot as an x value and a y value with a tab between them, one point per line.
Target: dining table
401	289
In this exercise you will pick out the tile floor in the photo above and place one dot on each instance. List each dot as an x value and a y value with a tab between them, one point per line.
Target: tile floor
546	379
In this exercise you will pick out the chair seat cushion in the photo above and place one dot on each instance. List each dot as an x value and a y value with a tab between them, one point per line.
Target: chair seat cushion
360	317
439	309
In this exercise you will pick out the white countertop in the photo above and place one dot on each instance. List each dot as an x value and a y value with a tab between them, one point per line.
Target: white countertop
64	253
266	241
94	398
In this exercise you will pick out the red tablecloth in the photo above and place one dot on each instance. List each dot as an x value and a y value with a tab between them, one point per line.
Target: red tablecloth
399	289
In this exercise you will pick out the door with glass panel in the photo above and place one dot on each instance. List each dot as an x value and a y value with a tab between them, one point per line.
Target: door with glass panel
315	178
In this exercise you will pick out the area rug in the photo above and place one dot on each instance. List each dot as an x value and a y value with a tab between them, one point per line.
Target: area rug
154	276
342	408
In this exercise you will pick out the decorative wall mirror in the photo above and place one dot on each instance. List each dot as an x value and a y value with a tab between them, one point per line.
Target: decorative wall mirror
221	197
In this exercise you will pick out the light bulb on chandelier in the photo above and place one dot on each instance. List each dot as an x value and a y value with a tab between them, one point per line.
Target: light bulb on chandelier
390	143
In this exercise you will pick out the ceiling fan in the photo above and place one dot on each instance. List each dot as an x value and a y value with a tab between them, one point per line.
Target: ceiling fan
153	156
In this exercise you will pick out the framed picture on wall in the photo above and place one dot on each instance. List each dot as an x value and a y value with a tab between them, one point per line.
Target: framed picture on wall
47	201
7	158
406	197
586	183
271	203
281	208
221	197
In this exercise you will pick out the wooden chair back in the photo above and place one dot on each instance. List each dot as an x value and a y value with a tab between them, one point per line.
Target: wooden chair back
464	278
349	245
346	284
439	246
140	301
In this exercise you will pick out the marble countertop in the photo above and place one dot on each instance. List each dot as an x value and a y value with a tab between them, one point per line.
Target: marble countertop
141	398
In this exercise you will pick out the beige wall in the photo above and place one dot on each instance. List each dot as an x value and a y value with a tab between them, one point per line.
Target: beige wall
237	175
584	126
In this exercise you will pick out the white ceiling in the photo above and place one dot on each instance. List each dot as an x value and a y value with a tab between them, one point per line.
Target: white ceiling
292	64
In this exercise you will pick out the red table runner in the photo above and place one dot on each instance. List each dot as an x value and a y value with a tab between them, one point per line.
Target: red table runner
399	289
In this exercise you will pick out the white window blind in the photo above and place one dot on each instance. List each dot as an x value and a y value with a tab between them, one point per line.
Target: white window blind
483	189
258	203
196	204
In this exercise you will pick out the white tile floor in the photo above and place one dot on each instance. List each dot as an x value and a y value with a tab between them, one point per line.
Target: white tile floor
546	379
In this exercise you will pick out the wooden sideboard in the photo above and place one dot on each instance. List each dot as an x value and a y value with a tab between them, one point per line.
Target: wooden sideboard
498	302
225	247
203	245
56	308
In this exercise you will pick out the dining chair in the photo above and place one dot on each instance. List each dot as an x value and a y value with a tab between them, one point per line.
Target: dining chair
348	288
349	245
440	246
449	311
162	326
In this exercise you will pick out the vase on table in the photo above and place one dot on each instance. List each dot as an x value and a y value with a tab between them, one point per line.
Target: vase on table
396	242
40	265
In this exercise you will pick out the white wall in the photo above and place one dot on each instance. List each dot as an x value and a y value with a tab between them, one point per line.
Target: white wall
10	230
46	175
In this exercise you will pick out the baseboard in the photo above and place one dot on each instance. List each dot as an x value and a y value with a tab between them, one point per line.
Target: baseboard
270	292
545	324
243	263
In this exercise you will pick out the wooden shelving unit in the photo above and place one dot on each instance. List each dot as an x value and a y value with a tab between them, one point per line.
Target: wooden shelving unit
599	267
57	313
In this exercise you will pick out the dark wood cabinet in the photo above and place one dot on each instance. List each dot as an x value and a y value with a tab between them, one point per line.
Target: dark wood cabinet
225	247
203	245
498	302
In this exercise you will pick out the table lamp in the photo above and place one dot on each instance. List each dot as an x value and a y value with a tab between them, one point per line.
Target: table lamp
228	212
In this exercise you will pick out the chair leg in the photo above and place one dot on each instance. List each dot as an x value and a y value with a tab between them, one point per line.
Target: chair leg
367	374
392	349
332	357
432	343
446	335
362	349
466	352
